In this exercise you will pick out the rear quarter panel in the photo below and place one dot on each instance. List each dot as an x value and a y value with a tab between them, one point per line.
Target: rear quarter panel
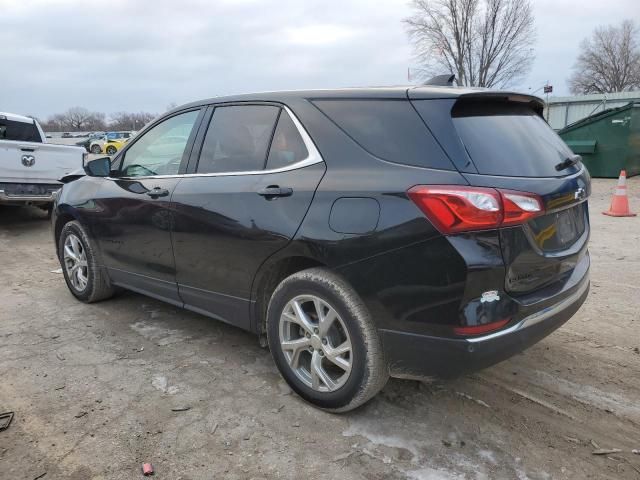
401	267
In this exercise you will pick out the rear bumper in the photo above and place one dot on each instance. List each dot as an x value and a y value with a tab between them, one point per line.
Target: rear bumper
415	356
8	199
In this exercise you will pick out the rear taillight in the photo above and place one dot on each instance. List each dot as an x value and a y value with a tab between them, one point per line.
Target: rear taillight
453	208
519	207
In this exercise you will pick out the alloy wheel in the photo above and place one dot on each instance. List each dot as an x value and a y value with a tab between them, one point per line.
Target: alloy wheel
315	343
75	262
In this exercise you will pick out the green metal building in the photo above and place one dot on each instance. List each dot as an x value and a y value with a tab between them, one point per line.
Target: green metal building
608	141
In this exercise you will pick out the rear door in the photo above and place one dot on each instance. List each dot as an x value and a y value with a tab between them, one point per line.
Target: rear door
502	141
252	181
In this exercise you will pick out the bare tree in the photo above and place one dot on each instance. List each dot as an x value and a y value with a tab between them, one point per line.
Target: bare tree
54	123
609	61
79	118
485	43
130	121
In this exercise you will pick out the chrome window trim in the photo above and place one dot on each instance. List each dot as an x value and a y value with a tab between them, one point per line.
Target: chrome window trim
312	158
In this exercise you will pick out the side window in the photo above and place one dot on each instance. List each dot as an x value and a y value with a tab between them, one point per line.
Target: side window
237	139
389	129
159	151
287	146
19	131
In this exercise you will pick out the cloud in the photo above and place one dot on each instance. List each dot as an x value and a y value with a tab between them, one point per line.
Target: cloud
319	35
114	55
118	55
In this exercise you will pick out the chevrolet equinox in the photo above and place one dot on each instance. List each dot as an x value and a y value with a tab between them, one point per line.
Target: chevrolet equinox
360	233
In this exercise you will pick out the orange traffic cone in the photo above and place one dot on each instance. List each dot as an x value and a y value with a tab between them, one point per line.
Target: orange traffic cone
620	201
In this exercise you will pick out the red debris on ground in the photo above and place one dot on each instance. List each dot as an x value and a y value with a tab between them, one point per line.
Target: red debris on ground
147	469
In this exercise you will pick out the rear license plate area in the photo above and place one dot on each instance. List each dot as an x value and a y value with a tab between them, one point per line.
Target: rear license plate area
557	231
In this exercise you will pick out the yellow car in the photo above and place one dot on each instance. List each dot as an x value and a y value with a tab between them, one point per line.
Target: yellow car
113	146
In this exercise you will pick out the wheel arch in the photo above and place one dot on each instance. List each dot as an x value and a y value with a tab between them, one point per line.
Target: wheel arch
63	216
61	221
269	277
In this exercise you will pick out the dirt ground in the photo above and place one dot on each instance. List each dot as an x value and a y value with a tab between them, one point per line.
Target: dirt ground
93	388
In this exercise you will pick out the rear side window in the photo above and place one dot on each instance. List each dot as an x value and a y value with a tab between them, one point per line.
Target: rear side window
238	139
287	147
389	129
19	131
509	139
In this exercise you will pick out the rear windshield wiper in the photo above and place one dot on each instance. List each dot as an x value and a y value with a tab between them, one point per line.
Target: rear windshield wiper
569	162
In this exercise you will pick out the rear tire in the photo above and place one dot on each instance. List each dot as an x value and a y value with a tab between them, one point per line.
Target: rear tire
86	280
111	150
305	343
96	149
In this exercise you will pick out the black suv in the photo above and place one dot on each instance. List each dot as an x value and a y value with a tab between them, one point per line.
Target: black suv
361	233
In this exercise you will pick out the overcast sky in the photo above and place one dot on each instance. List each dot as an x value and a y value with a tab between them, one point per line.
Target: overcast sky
115	55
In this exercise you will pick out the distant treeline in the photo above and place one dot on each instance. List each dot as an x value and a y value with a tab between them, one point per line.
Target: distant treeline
79	119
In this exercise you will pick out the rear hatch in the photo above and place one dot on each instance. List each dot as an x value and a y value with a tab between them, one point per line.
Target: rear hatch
500	140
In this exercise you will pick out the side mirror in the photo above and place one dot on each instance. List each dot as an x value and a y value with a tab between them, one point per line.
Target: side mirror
100	167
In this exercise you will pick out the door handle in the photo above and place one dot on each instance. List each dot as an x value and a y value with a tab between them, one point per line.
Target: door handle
158	192
273	191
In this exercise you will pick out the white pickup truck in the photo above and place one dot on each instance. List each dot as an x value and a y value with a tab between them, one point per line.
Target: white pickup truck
30	168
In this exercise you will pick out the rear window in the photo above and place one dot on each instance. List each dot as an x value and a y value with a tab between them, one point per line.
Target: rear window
19	131
287	146
389	129
509	139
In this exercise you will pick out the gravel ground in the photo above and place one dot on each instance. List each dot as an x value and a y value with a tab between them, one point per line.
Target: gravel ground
93	388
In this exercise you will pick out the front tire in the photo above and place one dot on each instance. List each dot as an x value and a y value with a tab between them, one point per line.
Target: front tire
324	341
95	149
85	278
111	150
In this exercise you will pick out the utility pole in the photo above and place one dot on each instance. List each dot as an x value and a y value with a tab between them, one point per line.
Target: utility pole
547	90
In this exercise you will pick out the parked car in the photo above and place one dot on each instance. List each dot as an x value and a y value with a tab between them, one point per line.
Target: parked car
111	147
30	168
361	233
98	145
86	144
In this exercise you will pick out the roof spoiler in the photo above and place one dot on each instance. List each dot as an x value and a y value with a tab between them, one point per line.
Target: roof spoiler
445	80
536	103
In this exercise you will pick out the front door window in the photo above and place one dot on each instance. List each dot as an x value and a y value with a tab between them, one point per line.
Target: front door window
159	151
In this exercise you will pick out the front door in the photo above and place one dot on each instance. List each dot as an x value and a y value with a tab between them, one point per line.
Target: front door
133	206
252	186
